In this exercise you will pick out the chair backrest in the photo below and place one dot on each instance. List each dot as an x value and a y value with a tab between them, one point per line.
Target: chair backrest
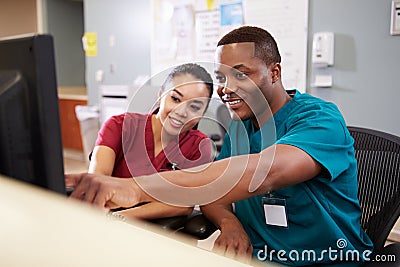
378	158
224	119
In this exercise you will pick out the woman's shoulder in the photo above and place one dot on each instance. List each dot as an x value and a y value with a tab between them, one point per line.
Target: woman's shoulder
129	116
135	116
124	118
196	134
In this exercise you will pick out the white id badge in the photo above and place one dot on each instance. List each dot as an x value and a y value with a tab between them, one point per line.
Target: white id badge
275	211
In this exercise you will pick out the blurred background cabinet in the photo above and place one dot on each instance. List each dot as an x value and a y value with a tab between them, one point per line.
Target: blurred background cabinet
69	98
70	129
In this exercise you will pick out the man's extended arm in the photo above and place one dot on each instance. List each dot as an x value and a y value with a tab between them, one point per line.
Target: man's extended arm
275	167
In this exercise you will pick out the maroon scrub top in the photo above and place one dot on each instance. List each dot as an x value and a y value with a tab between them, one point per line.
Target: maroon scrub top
130	135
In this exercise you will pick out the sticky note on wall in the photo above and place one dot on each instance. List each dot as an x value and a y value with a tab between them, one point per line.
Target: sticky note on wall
89	42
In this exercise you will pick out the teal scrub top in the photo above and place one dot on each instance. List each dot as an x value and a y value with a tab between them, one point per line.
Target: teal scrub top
323	214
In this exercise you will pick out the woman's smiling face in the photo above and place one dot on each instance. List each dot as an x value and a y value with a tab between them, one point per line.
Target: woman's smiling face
183	104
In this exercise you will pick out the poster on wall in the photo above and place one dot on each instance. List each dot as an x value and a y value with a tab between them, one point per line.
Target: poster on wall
287	21
207	33
183	23
163	40
231	15
189	30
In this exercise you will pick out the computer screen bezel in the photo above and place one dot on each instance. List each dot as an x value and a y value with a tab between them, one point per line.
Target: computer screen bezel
33	57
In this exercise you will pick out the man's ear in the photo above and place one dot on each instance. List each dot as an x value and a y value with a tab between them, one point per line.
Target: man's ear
276	72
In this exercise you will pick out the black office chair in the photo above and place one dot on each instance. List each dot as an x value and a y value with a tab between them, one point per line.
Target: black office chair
223	118
378	158
196	225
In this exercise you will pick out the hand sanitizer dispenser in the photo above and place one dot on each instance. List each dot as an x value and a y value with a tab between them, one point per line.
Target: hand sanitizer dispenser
323	49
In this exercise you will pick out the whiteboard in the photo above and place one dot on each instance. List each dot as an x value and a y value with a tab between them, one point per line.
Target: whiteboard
188	31
287	21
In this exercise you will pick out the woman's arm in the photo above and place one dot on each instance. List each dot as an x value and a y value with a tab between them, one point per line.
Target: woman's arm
155	210
102	161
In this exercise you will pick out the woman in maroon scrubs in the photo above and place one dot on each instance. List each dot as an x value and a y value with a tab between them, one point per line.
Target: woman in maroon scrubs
133	144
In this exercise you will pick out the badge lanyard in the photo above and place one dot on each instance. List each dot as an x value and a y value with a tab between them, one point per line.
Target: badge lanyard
275	211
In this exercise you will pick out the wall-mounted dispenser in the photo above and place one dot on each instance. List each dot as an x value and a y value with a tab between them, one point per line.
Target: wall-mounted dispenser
395	18
322	49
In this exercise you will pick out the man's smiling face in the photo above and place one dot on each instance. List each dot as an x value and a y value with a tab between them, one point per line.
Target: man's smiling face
243	80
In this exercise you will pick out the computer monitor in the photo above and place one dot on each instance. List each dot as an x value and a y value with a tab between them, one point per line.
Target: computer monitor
30	135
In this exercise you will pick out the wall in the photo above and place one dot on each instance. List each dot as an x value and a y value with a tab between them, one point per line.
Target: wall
366	56
61	18
367	61
127	23
65	23
18	17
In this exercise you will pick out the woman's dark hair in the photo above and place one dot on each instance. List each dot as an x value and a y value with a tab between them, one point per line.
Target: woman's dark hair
194	69
266	48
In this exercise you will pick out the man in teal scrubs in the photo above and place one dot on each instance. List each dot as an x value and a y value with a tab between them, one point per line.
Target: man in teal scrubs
314	221
291	159
321	212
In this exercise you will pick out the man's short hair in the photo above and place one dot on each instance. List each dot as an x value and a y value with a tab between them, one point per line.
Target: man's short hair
265	45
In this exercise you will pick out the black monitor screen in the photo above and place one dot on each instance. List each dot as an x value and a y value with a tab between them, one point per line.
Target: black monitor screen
30	135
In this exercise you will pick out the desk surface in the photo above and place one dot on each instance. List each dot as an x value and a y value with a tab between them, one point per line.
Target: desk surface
46	229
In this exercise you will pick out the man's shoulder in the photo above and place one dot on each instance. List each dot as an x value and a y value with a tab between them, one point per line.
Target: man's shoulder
304	101
306	97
